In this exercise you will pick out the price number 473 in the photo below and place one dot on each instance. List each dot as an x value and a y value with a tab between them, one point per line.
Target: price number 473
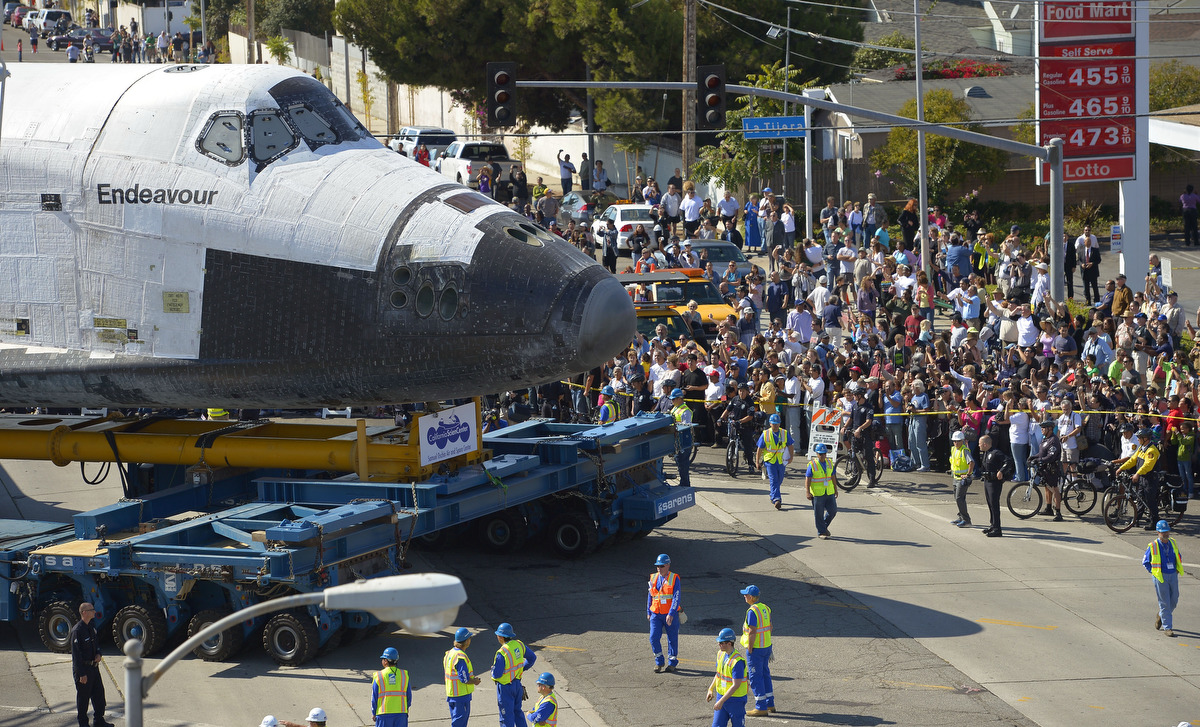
1099	136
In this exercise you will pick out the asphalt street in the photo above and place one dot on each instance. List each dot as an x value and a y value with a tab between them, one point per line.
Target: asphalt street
899	619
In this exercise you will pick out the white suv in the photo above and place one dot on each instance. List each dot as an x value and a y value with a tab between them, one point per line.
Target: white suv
434	138
45	21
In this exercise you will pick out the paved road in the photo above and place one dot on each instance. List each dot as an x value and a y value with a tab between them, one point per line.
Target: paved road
900	619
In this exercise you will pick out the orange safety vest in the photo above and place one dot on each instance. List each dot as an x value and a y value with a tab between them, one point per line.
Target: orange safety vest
660	600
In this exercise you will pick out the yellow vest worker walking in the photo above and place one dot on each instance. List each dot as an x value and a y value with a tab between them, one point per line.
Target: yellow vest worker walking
756	640
460	679
729	683
545	714
1165	563
390	692
512	659
820	483
772	446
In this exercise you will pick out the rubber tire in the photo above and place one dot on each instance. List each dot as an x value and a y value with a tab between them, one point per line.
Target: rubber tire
733	452
227	643
53	45
149	621
573	534
1164	507
1121	514
1083	493
504	531
433	542
290	638
849	471
1016	494
55	623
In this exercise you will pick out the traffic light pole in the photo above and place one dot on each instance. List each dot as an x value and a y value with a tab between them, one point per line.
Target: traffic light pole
1047	154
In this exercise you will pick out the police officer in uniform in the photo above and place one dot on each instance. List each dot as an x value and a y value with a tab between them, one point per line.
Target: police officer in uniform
460	679
391	693
820	484
729	683
756	640
771	445
545	714
85	667
683	417
662	611
1144	458
512	659
1049	458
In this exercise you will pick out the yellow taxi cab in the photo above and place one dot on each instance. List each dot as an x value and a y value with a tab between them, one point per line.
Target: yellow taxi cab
679	287
651	315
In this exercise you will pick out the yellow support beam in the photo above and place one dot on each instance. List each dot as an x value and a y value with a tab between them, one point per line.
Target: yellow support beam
381	453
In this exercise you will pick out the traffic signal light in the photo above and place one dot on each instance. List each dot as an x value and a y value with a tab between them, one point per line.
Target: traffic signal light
502	97
710	97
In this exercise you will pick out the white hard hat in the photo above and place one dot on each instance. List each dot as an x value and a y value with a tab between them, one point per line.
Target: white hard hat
269	721
317	715
958	437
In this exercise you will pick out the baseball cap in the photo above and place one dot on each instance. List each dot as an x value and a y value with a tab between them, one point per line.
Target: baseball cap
1015	228
750	591
766	189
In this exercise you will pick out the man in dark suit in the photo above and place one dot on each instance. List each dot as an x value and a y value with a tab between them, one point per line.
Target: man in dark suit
85	668
1087	253
1069	263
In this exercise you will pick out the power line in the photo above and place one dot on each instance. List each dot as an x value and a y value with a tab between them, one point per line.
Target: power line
714	14
908	13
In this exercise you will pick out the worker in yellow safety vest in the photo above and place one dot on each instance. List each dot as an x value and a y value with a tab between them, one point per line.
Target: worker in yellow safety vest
545	714
683	419
774	452
218	414
512	659
962	468
460	679
1165	563
820	485
391	694
729	683
609	412
756	640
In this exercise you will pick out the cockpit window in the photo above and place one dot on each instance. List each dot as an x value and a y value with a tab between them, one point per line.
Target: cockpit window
222	138
320	101
315	130
270	136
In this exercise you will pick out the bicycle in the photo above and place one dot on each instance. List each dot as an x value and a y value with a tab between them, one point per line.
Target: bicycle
850	467
1025	499
734	450
1078	492
1126	508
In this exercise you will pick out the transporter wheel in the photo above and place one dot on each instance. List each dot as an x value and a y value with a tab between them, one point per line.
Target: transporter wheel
219	647
504	531
140	622
290	638
55	623
573	534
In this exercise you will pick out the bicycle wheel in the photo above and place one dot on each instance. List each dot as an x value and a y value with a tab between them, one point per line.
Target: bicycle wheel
732	454
878	464
849	471
1079	496
1165	511
1024	501
1121	514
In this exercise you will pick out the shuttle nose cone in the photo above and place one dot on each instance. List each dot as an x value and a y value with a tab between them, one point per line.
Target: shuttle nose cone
608	324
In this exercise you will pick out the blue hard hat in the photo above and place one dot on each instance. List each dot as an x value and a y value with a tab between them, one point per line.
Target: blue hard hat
774	419
821	449
1163	526
462	635
677	393
390	654
662	559
750	591
506	631
546	678
726	635
608	391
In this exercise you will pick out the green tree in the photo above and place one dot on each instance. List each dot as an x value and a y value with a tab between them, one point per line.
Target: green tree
1172	84
737	161
280	49
309	16
445	43
949	162
873	59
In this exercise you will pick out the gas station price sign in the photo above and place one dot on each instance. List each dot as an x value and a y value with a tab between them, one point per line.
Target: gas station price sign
1086	89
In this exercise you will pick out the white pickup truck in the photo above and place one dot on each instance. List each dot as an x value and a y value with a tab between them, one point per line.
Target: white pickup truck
462	161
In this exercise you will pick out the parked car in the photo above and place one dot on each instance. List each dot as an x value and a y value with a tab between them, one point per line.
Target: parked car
462	160
435	138
47	21
9	7
17	19
719	253
626	217
101	39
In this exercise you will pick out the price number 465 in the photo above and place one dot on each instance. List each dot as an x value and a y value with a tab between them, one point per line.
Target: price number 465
1109	106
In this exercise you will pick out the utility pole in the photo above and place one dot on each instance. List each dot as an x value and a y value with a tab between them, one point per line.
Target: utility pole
689	77
922	184
787	88
250	40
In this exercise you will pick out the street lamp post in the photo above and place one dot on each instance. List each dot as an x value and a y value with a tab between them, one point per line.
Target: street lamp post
423	603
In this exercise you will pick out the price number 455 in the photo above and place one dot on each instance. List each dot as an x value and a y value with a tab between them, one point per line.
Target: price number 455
1107	76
